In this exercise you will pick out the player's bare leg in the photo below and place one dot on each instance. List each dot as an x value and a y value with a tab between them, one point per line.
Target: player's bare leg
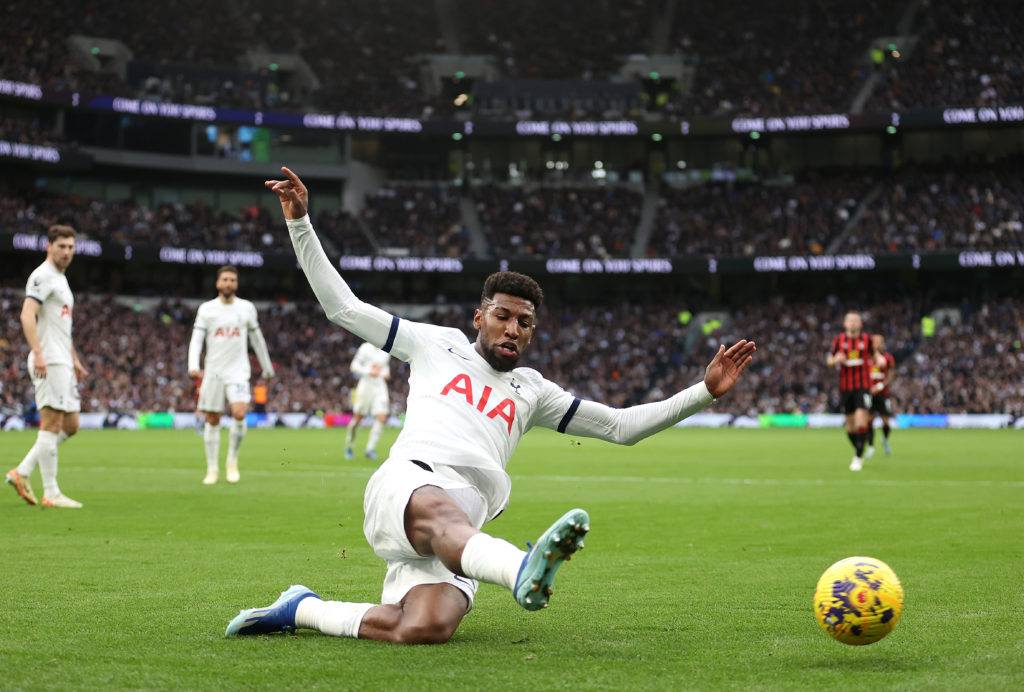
429	613
350	435
211	443
375	430
237	434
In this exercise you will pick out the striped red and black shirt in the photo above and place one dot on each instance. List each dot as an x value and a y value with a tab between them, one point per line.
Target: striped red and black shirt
855	373
878	374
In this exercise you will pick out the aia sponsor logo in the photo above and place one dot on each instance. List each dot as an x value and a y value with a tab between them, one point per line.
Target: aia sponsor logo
504	409
227	332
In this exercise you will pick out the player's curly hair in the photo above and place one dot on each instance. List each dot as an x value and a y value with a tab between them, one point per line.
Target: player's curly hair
514	284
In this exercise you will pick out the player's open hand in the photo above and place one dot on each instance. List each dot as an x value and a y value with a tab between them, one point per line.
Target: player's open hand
293	194
726	366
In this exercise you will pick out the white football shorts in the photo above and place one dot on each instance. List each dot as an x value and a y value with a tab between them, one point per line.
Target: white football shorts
387	494
58	390
370	397
213	392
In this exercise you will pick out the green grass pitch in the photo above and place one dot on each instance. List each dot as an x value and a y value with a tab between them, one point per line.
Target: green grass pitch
698	573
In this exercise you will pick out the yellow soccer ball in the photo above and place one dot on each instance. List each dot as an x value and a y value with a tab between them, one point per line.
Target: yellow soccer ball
858	600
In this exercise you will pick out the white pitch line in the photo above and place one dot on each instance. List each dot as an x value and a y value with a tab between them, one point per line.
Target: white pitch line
774	481
365	473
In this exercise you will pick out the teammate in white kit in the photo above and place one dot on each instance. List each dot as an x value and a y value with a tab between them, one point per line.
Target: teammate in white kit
225	325
370	398
54	367
468	407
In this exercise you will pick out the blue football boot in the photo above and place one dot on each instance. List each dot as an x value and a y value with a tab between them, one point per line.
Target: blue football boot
558	543
279	616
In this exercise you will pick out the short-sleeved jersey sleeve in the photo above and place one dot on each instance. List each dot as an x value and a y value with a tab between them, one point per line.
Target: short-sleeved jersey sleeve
40	285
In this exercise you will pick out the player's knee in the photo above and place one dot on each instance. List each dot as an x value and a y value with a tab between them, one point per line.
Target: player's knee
425	631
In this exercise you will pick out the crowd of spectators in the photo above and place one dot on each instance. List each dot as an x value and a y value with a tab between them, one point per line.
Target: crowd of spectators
753	218
916	209
125	222
573	39
977	207
779	58
966	54
424	221
621	354
749	58
541	222
174	224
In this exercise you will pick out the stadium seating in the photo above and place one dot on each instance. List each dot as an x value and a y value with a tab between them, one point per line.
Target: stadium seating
621	354
964	54
747	58
559	222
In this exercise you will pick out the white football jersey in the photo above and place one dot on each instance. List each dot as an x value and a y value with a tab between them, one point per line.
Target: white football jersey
465	414
225	327
368	355
56	302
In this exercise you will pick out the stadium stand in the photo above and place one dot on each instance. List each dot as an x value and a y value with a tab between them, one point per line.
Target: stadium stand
962	53
966	206
779	58
622	354
753	218
559	222
420	220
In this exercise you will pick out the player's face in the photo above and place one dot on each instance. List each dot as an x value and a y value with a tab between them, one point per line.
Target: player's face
878	341
60	252
504	328
227	284
852	324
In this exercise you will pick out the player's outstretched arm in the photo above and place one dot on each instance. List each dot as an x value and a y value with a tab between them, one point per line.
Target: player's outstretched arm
630	425
341	305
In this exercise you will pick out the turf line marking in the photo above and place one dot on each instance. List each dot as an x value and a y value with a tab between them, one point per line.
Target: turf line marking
366	473
773	481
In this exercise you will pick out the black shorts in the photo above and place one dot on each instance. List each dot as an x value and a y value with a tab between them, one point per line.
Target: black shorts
881	405
854	399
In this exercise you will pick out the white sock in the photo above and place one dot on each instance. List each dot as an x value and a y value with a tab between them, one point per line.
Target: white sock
46	455
493	560
237	434
211	438
375	431
28	464
350	434
62	437
336	618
